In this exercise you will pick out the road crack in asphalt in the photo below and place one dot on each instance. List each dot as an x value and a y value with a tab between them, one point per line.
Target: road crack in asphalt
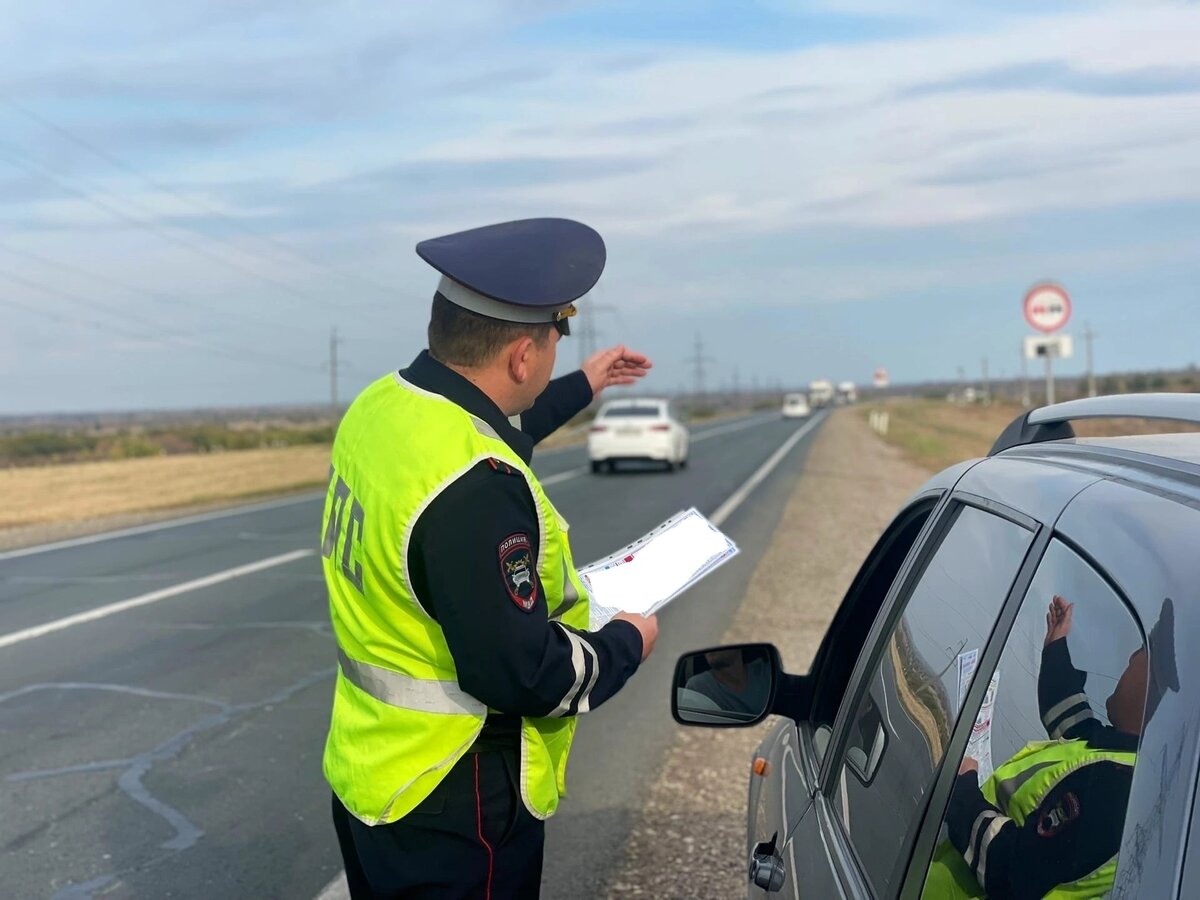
136	767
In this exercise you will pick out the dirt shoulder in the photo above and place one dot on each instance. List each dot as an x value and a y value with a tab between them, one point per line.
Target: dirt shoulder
50	503
690	839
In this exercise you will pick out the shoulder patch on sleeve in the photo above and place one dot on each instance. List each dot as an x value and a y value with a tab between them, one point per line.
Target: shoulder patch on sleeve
517	570
1055	819
500	465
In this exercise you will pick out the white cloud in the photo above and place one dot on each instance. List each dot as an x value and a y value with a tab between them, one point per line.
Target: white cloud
351	130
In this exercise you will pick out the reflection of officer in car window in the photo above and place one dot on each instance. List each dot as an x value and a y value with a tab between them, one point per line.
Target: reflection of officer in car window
734	683
1049	821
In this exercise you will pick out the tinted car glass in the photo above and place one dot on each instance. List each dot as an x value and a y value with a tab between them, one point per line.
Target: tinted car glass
849	630
900	728
629	411
1052	746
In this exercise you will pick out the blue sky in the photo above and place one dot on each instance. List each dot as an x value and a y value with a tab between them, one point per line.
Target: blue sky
193	194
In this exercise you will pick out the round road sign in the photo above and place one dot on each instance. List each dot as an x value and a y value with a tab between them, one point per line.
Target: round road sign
1047	307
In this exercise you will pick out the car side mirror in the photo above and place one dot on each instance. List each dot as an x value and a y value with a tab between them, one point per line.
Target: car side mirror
726	687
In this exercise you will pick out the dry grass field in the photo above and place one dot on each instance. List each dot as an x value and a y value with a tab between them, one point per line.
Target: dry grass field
935	434
77	492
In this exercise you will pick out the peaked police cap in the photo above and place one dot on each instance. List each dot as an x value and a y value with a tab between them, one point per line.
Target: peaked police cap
528	271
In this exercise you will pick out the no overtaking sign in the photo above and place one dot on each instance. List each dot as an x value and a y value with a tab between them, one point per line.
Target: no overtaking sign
1047	307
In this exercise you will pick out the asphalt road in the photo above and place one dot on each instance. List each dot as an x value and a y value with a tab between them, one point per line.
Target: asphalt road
164	692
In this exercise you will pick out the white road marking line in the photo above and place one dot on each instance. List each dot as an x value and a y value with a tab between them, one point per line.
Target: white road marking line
337	889
733	426
101	612
160	526
725	510
562	476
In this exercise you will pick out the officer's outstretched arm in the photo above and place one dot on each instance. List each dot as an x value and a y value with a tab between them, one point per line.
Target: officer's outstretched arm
1062	703
562	399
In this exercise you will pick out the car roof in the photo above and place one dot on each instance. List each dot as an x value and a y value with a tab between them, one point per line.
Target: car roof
1039	478
1182	446
1140	460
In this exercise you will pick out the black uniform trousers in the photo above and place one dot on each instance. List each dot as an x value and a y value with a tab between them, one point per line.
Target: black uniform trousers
471	838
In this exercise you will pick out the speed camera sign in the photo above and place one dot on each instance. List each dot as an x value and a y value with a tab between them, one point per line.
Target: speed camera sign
1047	307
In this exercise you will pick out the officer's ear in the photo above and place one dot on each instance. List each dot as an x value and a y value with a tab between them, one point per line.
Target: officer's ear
520	359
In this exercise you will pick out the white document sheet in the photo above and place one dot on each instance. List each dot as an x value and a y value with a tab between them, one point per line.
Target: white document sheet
644	576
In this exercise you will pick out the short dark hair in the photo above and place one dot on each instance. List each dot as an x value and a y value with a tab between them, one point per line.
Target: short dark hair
463	338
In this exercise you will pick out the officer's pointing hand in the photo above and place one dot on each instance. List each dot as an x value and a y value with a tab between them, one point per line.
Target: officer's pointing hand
616	365
647	626
1058	619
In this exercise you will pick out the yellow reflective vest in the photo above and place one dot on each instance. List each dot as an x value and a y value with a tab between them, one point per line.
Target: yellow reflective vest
1018	788
400	720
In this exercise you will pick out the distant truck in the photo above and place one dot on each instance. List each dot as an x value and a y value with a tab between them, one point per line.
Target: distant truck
820	393
847	392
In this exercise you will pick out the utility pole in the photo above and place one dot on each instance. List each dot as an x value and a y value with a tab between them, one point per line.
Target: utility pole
1025	399
987	388
333	373
583	327
699	363
1049	377
587	334
1088	335
737	390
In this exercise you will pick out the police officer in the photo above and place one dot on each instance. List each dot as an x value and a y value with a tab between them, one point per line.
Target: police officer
461	622
1048	822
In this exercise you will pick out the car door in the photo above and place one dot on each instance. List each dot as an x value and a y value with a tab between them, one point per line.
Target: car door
782	789
894	723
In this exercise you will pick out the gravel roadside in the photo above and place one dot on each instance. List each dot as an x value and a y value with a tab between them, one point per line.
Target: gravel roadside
690	839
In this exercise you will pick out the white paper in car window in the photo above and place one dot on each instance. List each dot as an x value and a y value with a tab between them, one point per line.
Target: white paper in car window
644	576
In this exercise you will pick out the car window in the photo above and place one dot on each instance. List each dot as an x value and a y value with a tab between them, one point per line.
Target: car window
899	729
1040	798
848	632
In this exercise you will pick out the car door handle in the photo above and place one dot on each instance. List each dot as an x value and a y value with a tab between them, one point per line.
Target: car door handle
766	866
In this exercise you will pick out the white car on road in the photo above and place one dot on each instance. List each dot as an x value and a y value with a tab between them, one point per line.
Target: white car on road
795	406
644	428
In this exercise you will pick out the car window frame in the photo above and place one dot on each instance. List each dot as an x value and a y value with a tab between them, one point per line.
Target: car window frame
936	498
938	799
848	866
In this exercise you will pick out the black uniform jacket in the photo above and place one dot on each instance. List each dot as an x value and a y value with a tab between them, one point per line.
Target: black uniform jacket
474	569
1077	828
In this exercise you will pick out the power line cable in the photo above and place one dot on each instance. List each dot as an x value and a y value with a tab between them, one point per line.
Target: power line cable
233	353
157	296
46	173
94	304
281	246
60	317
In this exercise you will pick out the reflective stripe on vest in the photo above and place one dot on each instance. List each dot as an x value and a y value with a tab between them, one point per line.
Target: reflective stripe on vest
403	692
